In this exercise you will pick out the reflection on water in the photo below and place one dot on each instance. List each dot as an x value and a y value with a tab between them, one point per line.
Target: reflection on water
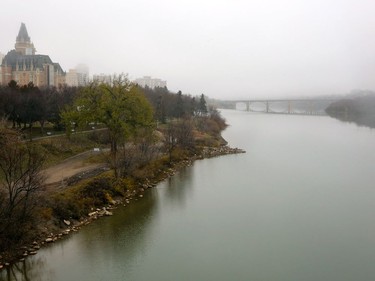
360	120
120	237
27	270
179	187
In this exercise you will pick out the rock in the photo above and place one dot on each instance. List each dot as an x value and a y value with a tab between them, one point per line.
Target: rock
33	253
140	195
1	266
108	213
93	214
49	240
67	222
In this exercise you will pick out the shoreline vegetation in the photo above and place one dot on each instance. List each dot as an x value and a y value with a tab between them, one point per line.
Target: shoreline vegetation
149	135
358	108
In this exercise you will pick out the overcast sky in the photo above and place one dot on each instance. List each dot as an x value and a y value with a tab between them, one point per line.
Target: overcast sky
222	48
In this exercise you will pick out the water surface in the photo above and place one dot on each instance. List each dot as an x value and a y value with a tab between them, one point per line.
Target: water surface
299	205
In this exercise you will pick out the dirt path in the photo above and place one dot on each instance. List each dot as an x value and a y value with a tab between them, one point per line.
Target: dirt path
70	167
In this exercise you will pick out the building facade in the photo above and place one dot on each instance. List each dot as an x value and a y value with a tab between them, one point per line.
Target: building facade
147	81
78	76
23	66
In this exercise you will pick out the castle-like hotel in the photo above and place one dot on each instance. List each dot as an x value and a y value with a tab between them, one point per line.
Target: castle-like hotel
24	66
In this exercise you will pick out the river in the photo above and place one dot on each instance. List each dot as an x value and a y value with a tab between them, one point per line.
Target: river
299	205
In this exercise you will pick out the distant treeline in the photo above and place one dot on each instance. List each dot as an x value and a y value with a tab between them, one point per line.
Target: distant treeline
28	104
357	107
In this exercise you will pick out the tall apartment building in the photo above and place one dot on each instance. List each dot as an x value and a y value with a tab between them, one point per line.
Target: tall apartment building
150	82
24	66
78	76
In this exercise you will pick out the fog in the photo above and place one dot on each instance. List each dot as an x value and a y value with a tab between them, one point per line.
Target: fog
225	49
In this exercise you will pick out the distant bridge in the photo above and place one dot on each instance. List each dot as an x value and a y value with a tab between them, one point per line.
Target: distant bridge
286	106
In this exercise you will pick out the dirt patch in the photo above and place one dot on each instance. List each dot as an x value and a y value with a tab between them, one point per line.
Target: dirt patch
71	167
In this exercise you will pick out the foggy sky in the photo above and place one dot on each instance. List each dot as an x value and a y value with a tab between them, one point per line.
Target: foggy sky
222	48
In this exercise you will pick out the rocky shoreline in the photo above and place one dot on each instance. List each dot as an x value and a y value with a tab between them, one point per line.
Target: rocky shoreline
70	227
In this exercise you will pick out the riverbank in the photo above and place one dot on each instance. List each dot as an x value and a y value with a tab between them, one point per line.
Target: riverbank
59	228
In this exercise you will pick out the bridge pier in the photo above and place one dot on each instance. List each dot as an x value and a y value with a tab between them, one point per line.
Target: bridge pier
311	107
290	107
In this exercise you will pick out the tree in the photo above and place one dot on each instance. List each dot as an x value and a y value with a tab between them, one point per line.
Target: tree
202	107
184	133
21	179
179	107
121	107
33	106
170	139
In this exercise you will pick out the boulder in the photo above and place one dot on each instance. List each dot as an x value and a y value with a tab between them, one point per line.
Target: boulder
67	222
92	214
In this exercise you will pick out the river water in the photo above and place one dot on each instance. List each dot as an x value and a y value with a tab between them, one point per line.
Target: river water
299	205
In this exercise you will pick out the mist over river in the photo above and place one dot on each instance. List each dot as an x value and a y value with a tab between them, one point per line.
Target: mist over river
298	206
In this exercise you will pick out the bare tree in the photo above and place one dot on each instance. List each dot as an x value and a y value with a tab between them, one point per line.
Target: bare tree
20	180
184	130
170	139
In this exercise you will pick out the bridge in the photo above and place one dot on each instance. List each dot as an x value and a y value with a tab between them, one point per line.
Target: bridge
286	106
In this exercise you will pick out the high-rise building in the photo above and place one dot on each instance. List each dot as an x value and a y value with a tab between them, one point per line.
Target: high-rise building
83	74
78	76
147	81
24	66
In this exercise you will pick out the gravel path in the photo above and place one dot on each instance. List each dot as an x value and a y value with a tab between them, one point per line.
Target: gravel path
70	167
